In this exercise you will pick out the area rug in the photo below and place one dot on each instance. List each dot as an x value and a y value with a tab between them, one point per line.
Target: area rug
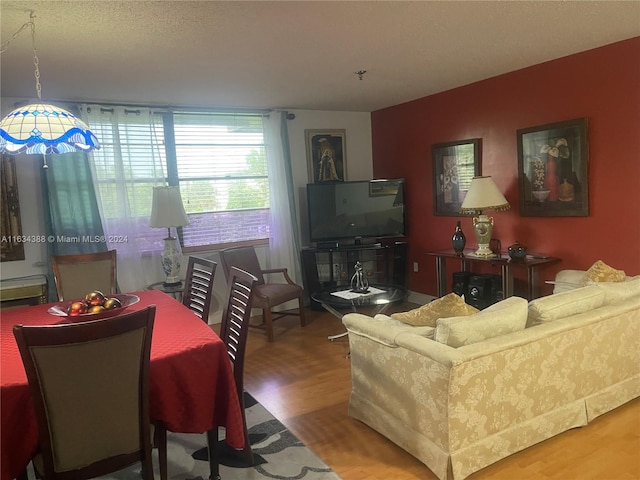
278	454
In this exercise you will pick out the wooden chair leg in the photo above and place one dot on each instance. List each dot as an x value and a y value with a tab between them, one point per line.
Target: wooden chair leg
214	460
303	320
160	441
269	323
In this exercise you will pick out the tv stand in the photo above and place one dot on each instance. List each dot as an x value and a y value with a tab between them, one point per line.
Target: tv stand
330	266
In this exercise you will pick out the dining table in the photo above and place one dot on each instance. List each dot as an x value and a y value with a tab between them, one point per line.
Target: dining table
191	384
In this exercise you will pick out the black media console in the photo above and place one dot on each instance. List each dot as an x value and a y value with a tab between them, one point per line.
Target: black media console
332	265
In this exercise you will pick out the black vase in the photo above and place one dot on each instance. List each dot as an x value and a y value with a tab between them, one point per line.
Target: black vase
458	240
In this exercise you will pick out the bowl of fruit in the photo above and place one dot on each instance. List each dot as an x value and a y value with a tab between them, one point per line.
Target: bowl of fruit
94	305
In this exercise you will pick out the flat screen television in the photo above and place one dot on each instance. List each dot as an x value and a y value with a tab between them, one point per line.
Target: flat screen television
355	211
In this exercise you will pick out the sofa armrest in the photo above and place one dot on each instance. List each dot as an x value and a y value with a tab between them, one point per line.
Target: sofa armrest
381	329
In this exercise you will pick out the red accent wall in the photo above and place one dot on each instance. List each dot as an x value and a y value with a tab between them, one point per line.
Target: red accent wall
602	85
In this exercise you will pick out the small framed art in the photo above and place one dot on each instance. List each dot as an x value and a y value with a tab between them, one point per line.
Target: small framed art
326	155
552	170
454	165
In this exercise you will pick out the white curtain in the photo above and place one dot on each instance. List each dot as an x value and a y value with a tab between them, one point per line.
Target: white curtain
129	152
284	249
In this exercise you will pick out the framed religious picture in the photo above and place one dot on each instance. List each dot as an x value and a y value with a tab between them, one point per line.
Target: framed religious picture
326	155
11	246
552	170
454	165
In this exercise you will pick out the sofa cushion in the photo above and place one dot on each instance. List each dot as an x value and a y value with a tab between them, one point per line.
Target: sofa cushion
601	272
451	305
506	316
615	292
564	304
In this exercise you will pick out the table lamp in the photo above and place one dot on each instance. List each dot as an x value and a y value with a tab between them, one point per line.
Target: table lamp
167	211
483	195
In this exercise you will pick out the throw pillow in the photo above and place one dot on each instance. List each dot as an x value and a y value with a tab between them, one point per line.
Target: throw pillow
451	305
601	272
564	304
509	315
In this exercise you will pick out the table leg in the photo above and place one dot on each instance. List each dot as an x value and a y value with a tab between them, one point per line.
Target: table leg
441	275
532	280
507	281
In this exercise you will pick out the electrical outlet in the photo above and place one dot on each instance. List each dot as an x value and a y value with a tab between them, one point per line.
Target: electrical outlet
415	266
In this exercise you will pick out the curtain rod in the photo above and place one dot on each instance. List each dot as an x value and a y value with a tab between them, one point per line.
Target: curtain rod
160	107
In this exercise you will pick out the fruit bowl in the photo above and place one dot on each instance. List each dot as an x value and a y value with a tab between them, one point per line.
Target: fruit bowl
61	309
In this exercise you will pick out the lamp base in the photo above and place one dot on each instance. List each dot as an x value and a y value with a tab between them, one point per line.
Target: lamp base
484	251
171	257
482	227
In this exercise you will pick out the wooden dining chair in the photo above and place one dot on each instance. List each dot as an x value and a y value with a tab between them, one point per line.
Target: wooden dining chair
89	382
198	286
77	275
266	295
234	330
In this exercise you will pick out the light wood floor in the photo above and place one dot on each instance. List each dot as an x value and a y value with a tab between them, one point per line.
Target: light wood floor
304	381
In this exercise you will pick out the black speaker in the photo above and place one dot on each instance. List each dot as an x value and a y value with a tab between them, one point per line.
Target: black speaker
484	290
479	291
496	288
460	282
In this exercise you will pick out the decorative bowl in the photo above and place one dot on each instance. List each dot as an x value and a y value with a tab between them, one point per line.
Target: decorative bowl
517	251
60	309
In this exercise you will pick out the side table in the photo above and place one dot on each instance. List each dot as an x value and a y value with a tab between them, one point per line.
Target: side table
531	263
176	291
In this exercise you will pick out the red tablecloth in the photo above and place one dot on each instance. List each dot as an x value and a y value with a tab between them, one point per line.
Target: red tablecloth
191	382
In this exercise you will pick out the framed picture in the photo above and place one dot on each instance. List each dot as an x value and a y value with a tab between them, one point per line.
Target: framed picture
326	155
454	165
11	247
552	170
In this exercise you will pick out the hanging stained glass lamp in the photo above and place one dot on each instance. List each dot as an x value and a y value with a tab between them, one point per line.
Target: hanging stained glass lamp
40	128
45	129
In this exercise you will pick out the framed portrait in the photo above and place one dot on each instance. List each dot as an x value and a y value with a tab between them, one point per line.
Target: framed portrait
454	165
326	155
552	170
11	247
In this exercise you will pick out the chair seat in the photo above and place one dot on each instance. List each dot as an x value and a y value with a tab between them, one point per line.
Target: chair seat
276	293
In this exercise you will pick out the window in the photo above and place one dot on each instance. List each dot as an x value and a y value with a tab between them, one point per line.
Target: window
217	159
222	173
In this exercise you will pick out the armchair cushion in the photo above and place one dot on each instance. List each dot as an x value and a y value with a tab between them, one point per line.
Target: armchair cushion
451	305
506	316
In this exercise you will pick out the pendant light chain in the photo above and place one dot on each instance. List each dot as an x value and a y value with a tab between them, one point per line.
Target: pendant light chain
36	61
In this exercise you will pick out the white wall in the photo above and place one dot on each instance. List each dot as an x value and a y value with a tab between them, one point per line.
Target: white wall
359	167
359	156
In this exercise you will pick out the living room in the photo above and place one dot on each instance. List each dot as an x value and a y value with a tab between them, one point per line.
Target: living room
395	141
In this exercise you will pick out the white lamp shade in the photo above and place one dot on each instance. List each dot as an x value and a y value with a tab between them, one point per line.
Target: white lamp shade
483	195
167	209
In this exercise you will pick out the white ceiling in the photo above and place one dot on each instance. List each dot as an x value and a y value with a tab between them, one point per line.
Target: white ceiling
287	54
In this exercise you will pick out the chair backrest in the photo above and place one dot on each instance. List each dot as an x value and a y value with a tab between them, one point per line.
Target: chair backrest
89	382
77	275
198	286
244	258
234	327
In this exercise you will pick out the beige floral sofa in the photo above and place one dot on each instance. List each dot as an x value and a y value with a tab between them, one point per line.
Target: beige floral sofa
476	388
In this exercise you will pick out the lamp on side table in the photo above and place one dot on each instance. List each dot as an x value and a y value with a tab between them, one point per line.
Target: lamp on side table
167	211
483	195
